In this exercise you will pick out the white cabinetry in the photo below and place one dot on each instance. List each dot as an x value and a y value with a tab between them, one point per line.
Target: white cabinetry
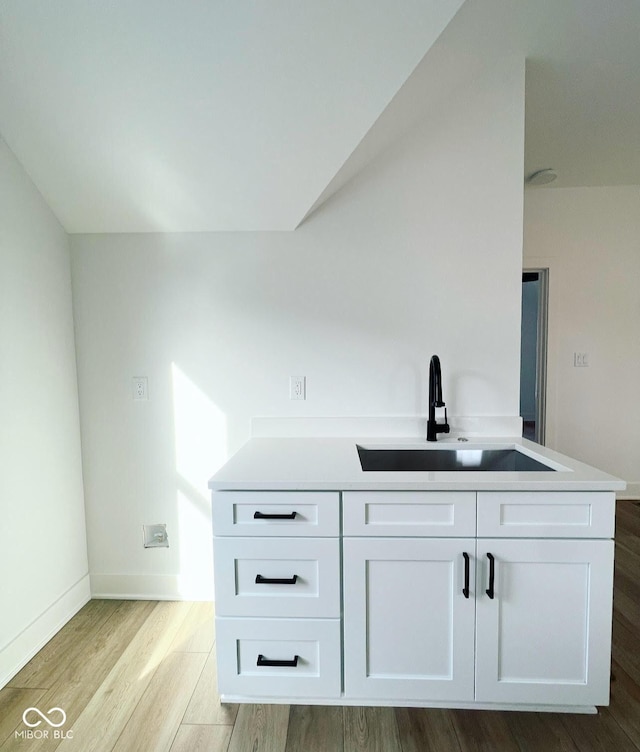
409	611
545	636
276	564
458	598
536	627
408	627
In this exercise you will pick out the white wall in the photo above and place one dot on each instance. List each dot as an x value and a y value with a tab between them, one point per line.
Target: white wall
421	254
43	558
590	240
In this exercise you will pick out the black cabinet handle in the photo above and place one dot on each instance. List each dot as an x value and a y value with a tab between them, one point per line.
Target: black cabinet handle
492	574
263	516
262	661
260	580
465	589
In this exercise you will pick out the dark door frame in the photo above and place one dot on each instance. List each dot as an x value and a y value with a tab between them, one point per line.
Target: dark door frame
541	350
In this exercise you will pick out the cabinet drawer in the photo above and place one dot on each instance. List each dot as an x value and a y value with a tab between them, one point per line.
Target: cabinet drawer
548	514
309	569
276	513
410	513
313	645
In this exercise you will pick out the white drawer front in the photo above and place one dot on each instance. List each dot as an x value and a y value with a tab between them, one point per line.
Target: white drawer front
410	513
276	513
314	646
310	568
548	514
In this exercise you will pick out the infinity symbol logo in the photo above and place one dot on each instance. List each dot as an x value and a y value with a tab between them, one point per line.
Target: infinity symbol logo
44	717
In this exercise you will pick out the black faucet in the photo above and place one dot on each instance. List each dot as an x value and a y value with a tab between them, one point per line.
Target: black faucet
435	400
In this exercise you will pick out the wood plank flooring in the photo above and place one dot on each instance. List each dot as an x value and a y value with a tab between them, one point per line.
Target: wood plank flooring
140	675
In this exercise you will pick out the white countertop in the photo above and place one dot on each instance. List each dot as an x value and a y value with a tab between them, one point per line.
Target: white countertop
325	463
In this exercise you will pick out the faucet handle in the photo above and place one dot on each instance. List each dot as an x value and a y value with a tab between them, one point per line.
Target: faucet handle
445	428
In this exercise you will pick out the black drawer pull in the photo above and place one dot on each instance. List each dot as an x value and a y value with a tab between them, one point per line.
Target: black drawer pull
465	589
260	580
492	573
263	516
262	661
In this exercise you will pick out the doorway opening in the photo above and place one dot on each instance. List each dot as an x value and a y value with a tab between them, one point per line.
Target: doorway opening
533	353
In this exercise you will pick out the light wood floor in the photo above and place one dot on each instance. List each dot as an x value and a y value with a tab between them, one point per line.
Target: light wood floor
140	675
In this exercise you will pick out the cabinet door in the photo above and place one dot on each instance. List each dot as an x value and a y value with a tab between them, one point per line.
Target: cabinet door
545	637
408	626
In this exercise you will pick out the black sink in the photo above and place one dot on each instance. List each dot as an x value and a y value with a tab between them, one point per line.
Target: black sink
448	460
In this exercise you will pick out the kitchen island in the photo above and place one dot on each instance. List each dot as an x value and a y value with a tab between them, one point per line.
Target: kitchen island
466	588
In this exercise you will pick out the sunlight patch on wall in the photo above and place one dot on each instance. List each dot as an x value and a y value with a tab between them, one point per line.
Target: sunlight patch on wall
200	433
195	581
201	449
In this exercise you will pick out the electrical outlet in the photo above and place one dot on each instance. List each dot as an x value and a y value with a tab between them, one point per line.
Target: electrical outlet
155	536
580	359
297	387
140	388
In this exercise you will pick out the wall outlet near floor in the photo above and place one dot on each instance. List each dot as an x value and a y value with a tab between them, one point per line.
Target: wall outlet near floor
580	359
140	388
297	387
155	536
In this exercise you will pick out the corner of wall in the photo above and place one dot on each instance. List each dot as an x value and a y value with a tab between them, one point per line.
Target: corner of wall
21	649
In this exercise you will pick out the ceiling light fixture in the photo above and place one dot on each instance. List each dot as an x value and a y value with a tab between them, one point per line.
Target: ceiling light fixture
542	177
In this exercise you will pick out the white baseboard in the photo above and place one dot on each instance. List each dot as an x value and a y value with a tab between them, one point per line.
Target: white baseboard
152	587
632	491
21	649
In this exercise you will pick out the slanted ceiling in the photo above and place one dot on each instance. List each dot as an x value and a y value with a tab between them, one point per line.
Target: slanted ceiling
183	115
160	115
